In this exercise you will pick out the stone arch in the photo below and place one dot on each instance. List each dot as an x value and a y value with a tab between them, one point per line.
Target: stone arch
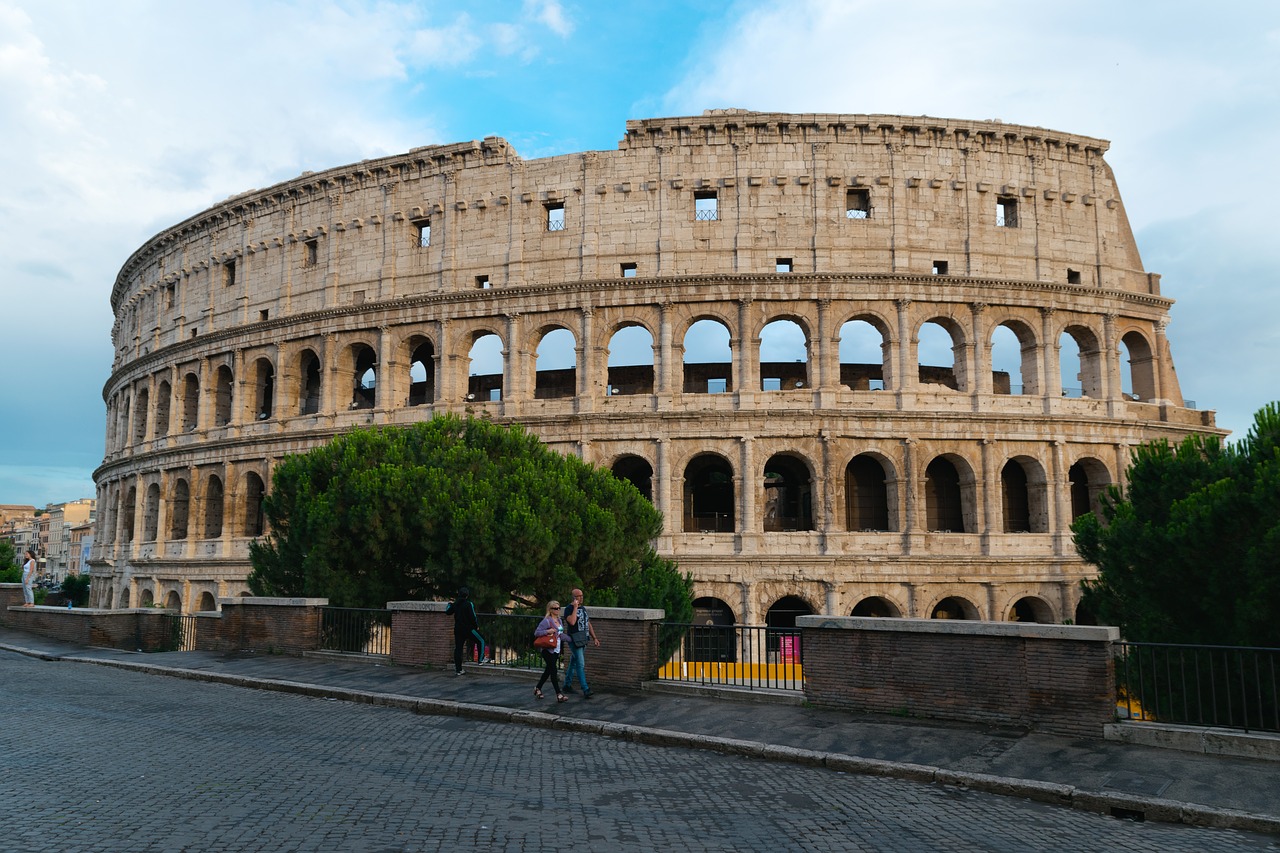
709	499
1137	367
146	598
1024	496
1087	347
949	492
254	491
954	607
213	507
1088	479
637	471
128	503
784	355
487	362
876	606
867	499
422	371
141	406
173	601
788	494
783	612
940	358
631	360
865	353
310	382
206	603
164	397
712	636
364	375
223	384
707	357
1018	351
190	402
151	513
264	389
125	598
1031	608
555	363
179	508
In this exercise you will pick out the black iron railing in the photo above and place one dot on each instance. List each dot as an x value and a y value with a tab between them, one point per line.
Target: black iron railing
1223	686
356	630
508	639
752	656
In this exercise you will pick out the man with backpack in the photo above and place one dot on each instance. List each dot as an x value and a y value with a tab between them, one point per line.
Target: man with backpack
578	627
465	627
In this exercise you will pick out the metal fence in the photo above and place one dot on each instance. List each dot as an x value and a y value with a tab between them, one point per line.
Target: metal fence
752	656
1222	686
182	633
356	630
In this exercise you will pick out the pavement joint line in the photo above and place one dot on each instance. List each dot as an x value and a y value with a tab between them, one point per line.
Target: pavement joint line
1103	802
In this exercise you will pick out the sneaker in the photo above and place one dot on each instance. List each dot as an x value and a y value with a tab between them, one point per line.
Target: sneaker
586	695
485	660
459	672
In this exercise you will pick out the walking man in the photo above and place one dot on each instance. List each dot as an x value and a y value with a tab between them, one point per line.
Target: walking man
578	626
465	627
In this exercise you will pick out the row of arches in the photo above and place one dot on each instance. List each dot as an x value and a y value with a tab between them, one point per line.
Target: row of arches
385	371
781	613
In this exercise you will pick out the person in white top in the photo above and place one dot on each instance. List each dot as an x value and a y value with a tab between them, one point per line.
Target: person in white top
29	578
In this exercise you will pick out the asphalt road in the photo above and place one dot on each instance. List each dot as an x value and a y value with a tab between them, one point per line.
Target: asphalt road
93	758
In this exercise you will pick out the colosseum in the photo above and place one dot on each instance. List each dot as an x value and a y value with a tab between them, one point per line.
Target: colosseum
863	364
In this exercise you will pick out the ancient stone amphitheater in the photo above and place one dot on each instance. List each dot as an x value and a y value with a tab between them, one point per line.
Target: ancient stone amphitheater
787	330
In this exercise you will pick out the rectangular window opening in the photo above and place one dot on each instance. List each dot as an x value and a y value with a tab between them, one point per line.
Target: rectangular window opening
706	206
857	204
169	292
424	232
1006	212
782	265
628	270
1073	276
482	282
263	315
229	273
772	384
555	216
717	386
310	253
939	267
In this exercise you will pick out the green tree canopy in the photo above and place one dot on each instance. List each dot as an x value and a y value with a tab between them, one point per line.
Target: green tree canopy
404	513
10	570
1191	553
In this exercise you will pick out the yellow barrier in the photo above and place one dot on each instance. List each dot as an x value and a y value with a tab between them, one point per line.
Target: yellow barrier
731	672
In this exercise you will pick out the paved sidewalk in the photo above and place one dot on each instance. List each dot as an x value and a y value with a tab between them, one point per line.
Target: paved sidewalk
1094	775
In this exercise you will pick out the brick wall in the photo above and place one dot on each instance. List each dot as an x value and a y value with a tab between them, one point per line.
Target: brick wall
1051	678
284	625
421	633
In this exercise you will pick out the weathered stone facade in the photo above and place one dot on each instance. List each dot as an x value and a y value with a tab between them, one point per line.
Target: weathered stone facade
354	296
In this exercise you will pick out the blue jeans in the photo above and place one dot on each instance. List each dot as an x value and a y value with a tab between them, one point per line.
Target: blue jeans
577	663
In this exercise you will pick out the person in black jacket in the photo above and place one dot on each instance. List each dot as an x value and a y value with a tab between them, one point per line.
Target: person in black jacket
465	625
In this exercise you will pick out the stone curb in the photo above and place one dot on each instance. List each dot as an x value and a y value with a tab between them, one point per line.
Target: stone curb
1103	802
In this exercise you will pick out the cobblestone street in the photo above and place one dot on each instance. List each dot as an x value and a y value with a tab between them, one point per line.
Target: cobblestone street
108	760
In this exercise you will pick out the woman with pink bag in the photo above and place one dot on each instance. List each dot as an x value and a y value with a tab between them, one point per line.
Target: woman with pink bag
546	637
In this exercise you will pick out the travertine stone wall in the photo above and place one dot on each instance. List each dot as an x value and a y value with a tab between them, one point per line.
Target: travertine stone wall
350	297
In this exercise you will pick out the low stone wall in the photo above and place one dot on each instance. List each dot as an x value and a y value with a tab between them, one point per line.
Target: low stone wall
271	625
422	635
1050	678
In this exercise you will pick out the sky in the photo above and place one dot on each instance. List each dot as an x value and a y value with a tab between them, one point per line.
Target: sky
120	119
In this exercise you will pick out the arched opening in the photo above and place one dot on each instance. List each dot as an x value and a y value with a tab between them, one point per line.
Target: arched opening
954	607
1014	365
122	423
782	638
110	596
1031	609
127	508
1079	348
638	472
213	507
708	358
485	369
1013	493
253	493
1089	478
866	495
1085	615
179	505
151	513
125	598
630	361
223	382
875	606
712	637
264	389
309	364
190	402
422	372
164	394
140	408
788	495
146	599
863	350
364	394
708	495
556	373
207	603
784	357
1137	368
944	506
783	612
936	356
173	601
